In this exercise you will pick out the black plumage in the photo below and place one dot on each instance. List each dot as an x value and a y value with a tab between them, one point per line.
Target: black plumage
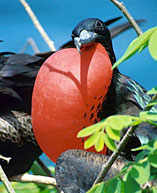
17	77
76	170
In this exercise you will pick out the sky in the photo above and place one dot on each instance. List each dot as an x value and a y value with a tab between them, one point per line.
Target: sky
58	18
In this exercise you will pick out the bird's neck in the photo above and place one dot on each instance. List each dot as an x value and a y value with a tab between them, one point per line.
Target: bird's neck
109	48
101	47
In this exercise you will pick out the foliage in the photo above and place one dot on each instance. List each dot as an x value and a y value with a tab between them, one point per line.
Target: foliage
134	175
29	187
113	126
147	39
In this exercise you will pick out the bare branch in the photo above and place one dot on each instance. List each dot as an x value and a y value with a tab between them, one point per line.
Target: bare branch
34	179
128	16
30	42
105	168
44	167
38	25
29	178
7	159
5	181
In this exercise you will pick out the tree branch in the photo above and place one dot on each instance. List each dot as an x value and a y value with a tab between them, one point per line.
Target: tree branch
34	179
38	25
105	168
30	42
128	16
5	181
44	167
29	178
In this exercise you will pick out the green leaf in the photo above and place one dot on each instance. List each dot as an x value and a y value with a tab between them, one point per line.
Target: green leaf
113	134
153	159
118	122
37	170
154	190
143	147
152	91
99	146
152	103
131	186
141	172
113	186
143	47
90	130
135	45
23	187
29	187
152	45
151	146
98	188
91	140
146	115
109	143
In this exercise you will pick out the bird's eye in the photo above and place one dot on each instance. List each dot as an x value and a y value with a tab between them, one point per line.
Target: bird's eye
98	24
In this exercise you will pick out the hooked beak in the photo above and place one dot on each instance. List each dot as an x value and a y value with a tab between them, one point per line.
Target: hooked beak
84	38
77	43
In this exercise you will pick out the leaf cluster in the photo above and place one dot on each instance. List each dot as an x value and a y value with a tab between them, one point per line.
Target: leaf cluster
108	131
147	39
135	176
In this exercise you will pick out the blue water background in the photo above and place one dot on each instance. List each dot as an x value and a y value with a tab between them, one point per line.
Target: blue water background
58	19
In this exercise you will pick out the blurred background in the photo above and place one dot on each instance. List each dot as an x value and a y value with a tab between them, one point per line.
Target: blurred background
58	18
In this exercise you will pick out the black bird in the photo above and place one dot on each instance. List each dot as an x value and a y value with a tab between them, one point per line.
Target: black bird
77	170
17	77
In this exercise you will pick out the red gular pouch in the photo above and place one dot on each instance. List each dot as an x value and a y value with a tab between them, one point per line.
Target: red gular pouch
68	94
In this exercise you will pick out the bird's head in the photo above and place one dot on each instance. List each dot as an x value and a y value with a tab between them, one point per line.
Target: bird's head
93	30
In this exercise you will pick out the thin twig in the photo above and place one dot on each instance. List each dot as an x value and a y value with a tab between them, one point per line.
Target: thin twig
37	179
5	181
34	179
128	16
30	42
38	25
105	168
7	159
44	167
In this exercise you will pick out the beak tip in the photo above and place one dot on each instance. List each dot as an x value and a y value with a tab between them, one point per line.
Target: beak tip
77	44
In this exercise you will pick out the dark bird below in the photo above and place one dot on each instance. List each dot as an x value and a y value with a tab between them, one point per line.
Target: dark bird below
17	76
76	170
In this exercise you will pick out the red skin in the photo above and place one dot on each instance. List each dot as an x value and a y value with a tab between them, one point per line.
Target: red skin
68	89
